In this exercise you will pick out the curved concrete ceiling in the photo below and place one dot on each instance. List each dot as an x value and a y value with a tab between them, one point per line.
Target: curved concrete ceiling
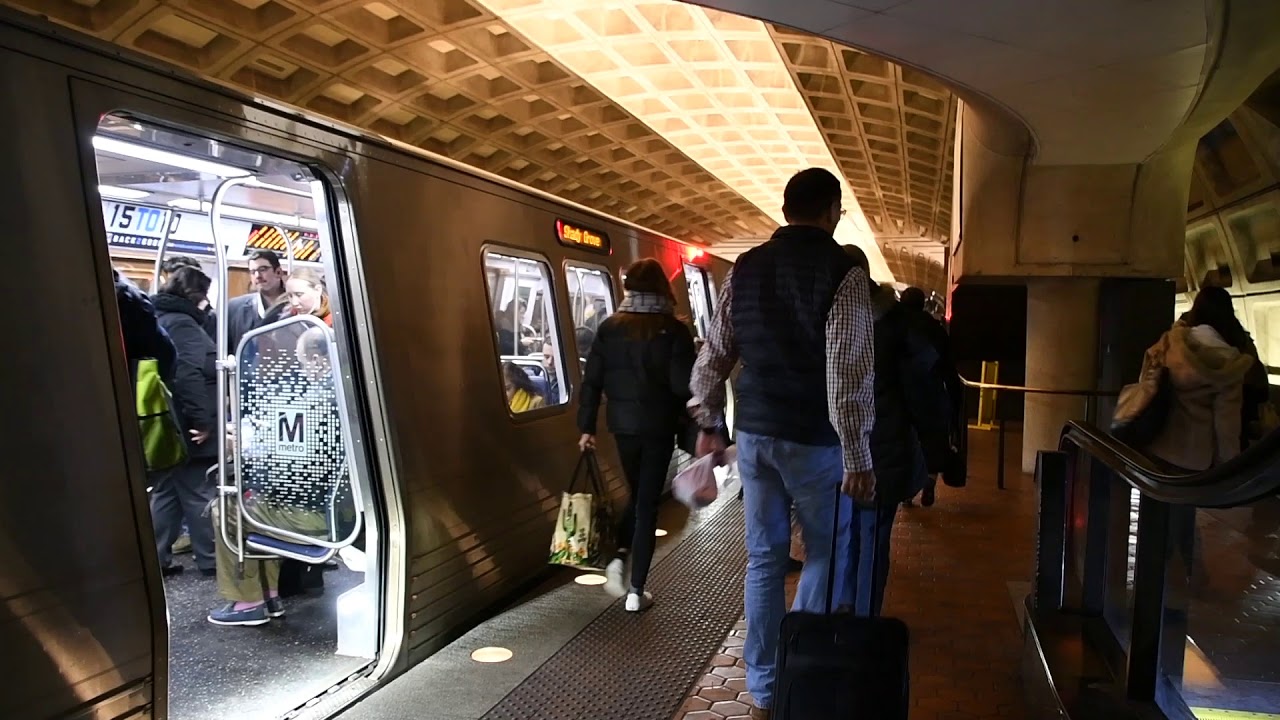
1095	81
682	119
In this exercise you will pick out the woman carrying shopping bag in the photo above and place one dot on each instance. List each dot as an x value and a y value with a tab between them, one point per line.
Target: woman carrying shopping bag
640	360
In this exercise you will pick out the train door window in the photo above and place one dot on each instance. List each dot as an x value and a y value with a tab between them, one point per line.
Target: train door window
525	328
1256	232
700	298
590	302
276	451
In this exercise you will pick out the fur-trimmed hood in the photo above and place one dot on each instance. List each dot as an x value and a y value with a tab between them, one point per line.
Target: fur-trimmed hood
1200	352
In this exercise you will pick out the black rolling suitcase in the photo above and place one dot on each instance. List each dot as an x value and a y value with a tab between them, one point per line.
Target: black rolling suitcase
836	665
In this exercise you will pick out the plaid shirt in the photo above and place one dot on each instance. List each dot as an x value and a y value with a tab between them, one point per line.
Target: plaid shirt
850	367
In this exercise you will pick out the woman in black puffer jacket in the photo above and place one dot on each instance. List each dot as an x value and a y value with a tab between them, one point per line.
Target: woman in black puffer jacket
641	360
185	492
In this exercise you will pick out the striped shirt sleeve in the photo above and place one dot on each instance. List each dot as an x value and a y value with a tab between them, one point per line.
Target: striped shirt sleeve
716	359
851	370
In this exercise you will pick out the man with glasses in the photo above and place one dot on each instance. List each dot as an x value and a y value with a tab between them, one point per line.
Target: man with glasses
262	306
797	313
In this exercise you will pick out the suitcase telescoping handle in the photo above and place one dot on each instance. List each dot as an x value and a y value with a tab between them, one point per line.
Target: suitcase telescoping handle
875	554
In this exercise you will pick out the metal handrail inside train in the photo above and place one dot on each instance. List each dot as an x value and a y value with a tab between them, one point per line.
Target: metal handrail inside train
228	370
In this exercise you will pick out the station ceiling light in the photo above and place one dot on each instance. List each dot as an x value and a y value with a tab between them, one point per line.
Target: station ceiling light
711	83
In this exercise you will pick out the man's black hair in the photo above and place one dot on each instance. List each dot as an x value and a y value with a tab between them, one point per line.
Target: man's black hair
810	194
859	258
912	297
268	255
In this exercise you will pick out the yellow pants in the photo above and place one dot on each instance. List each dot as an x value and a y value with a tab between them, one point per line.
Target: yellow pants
253	581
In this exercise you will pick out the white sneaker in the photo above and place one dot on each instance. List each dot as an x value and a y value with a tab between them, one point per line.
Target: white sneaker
613	578
636	603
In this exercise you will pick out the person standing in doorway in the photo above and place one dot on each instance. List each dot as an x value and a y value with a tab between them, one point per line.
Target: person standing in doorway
265	304
796	312
641	360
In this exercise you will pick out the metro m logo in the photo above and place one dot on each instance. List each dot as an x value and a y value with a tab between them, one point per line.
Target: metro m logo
291	432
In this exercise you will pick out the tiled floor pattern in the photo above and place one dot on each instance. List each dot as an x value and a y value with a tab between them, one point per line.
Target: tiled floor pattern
952	565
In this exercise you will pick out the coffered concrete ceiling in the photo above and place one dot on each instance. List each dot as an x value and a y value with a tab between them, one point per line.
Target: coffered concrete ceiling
675	117
1096	81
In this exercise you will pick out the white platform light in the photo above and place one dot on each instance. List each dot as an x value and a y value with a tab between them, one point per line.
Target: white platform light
492	655
590	579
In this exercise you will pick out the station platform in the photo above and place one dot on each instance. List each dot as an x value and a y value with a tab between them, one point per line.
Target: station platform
960	570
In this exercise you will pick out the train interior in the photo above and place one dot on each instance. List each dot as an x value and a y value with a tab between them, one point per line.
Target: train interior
309	507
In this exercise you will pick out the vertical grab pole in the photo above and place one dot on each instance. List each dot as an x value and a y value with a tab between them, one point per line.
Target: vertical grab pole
226	362
164	243
223	366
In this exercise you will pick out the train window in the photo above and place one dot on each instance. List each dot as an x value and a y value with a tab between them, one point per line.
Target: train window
1225	160
1207	257
590	302
700	298
525	328
1256	231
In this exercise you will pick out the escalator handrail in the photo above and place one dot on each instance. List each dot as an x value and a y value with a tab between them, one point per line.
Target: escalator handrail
1247	478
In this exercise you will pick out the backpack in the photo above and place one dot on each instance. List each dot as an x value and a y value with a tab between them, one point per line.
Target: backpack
162	441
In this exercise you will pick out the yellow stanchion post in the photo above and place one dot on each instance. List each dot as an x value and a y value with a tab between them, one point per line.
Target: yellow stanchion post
987	397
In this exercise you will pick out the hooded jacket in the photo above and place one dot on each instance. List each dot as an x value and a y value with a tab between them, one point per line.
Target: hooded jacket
1207	376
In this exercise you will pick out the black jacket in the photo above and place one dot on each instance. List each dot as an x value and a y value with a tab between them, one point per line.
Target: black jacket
194	386
912	423
646	381
143	336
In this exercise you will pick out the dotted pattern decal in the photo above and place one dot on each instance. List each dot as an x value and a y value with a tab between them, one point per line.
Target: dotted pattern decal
293	455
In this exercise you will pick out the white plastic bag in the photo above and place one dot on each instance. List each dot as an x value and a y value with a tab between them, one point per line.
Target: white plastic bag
696	485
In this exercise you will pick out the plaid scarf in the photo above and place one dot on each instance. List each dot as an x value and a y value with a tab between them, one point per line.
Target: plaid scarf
649	303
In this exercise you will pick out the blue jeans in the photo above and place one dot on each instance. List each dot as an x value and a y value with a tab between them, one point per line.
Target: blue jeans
857	582
777	475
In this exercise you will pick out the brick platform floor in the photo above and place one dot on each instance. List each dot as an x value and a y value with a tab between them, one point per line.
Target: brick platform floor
950	581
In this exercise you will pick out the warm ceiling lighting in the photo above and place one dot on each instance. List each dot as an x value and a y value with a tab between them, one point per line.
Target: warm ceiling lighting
591	579
491	655
713	84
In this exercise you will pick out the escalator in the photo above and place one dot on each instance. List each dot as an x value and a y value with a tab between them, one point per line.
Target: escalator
1156	595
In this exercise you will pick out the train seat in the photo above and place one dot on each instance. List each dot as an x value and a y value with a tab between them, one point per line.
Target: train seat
312	554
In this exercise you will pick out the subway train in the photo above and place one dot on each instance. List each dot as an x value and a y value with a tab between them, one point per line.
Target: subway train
438	278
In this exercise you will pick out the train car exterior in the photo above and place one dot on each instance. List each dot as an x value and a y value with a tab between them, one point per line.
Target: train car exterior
463	492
